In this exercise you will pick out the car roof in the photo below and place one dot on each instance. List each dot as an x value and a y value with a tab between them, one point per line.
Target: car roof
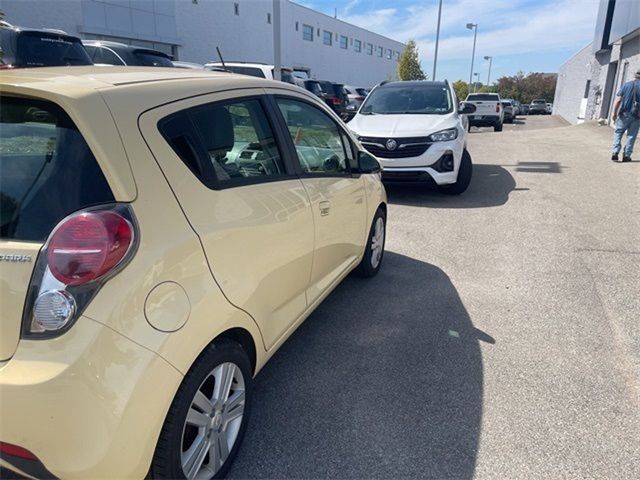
410	83
149	86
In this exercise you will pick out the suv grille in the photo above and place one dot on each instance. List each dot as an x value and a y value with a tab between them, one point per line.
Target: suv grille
405	147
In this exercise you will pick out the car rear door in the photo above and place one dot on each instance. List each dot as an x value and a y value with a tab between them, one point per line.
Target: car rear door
325	158
224	160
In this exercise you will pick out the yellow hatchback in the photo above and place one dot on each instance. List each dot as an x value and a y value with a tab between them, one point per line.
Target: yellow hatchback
162	233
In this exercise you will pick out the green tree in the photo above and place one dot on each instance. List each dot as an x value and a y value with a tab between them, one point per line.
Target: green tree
461	88
409	63
527	87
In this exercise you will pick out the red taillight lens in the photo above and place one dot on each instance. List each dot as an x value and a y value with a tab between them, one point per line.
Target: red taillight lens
336	100
497	108
16	451
87	246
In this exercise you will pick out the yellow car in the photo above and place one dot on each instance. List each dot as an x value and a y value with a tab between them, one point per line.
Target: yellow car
162	233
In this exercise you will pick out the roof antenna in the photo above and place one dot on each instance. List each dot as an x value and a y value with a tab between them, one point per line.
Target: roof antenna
221	59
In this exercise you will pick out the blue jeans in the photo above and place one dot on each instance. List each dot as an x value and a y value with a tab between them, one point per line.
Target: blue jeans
629	124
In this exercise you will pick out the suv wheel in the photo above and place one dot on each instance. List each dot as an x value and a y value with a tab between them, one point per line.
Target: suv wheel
464	177
374	251
208	417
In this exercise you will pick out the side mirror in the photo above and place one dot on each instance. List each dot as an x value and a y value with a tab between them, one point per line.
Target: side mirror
367	163
466	108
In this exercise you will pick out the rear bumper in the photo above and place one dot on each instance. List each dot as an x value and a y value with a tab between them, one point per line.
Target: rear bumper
88	404
484	120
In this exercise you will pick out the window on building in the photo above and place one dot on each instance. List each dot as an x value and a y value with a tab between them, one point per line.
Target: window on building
389	54
379	51
297	27
307	32
357	45
236	8
327	39
586	89
268	18
369	49
344	42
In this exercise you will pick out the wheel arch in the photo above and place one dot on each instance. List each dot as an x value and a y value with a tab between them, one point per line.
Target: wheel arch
246	341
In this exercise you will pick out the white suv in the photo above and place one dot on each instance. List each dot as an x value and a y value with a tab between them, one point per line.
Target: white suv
417	132
260	70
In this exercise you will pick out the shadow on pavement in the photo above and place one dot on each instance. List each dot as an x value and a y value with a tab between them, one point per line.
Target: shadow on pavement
490	187
384	380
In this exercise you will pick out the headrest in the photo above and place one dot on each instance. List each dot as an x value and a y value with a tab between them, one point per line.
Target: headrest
216	128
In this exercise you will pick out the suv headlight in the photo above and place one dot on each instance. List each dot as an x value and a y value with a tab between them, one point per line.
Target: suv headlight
444	135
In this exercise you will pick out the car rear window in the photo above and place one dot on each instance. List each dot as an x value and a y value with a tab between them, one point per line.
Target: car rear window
482	97
47	170
149	58
251	71
41	49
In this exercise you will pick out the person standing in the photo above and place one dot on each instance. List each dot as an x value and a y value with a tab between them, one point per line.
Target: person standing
626	116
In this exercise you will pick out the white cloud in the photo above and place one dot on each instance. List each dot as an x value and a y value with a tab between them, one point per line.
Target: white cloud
508	27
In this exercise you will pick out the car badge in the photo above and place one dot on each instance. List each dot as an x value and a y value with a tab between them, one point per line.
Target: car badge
392	144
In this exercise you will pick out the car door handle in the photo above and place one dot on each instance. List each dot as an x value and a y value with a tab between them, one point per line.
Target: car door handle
325	207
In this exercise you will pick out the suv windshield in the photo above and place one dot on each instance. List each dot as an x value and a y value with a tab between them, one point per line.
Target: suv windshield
149	58
44	49
408	99
46	169
482	97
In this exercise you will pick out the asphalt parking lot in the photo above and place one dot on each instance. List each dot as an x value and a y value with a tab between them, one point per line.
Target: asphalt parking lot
501	338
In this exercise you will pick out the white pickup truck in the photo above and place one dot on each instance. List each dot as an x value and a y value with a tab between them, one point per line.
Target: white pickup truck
489	111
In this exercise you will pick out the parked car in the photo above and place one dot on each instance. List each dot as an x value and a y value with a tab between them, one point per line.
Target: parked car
28	48
334	95
418	133
355	96
314	87
128	348
524	109
538	107
188	65
507	107
489	111
517	107
260	70
115	53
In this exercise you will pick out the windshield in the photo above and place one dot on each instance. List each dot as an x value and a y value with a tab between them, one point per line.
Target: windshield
148	58
482	97
46	50
408	99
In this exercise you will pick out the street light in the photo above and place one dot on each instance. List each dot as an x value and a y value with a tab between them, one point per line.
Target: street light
475	83
435	57
486	57
474	27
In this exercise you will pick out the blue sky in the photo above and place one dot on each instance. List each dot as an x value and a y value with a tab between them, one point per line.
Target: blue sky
527	35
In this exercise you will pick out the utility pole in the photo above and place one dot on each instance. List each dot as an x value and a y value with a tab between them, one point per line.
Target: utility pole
474	27
489	73
277	44
435	57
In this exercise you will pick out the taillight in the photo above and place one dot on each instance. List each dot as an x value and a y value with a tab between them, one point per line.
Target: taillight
87	246
497	108
82	253
16	451
336	100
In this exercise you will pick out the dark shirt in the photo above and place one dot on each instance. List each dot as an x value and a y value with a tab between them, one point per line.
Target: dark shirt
626	92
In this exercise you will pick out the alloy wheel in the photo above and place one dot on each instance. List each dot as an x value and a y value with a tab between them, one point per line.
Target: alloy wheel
377	242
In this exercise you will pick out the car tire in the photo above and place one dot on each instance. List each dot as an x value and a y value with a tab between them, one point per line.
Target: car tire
221	430
497	127
464	177
374	251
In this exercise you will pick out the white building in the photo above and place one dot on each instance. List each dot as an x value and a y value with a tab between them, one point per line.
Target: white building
190	30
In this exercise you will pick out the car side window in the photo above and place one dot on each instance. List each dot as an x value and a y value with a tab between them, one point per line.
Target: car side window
318	141
227	143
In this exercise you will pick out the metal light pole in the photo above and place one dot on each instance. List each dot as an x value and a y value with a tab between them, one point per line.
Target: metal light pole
489	74
277	46
435	57
474	27
475	83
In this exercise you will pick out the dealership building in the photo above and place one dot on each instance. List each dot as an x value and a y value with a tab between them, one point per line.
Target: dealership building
588	82
325	47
